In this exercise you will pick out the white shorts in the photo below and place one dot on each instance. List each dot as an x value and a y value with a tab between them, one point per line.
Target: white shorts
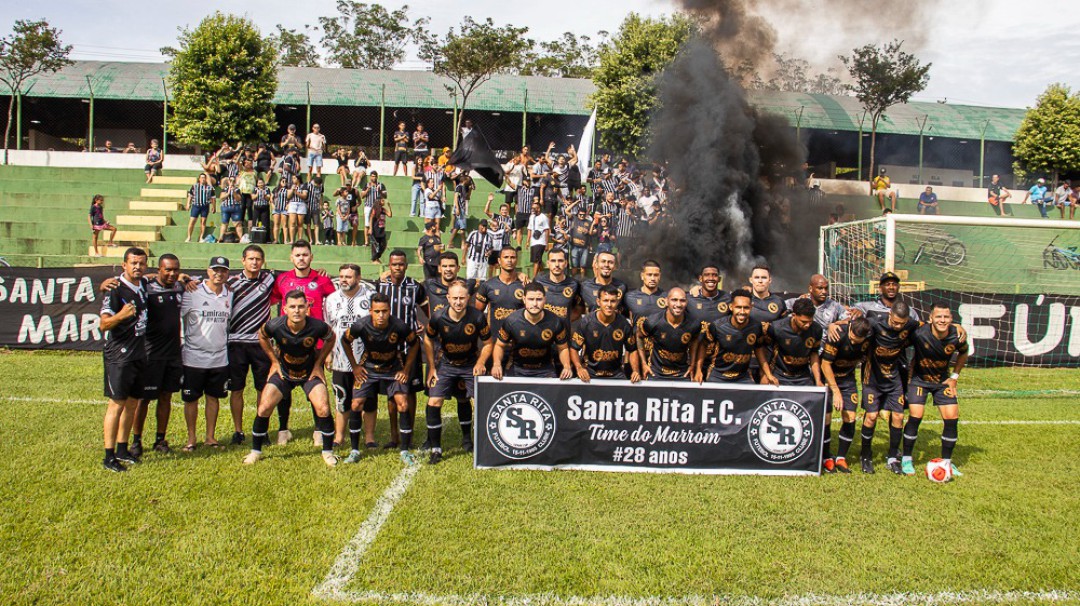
476	270
296	208
367	215
886	192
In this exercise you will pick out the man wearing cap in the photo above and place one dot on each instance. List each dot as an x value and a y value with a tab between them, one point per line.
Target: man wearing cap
928	204
1038	195
476	250
290	141
205	312
881	188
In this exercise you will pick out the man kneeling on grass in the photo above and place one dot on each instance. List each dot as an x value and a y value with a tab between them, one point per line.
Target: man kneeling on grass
296	337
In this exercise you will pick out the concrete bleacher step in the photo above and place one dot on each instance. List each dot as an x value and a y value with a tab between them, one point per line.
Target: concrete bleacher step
143	220
169	180
112	252
153	192
155	205
126	235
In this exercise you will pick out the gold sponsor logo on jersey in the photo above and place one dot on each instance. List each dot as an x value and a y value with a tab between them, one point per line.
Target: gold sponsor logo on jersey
603	355
309	341
519	294
686	338
949	349
751	338
722	307
393	338
661	303
617	334
811	343
547	334
568	292
671	356
558	310
502	313
526	352
773	308
295	360
470	328
458	347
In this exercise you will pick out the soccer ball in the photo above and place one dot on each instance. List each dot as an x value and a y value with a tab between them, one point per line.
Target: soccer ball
938	470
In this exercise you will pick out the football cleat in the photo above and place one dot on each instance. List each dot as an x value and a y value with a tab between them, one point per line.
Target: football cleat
113	465
829	466
908	467
467	445
408	458
330	459
283	437
136	450
162	447
436	456
354	457
841	466
867	465
237	438
252	457
955	471
894	466
127	457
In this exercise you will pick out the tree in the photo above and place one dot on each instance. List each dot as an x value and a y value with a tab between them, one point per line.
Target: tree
791	74
32	48
368	36
884	76
626	77
1049	136
294	49
470	56
567	57
223	78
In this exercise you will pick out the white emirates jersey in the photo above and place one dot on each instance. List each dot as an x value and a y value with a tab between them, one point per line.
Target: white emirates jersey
341	311
206	327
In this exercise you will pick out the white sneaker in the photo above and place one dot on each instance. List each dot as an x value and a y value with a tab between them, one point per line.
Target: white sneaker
330	459
252	457
283	437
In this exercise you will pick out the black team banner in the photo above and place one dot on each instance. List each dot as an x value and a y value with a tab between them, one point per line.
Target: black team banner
52	308
655	426
1010	330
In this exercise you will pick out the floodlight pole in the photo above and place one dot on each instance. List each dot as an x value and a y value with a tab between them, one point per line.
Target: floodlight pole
922	127
982	152
798	123
382	120
454	119
18	122
90	131
308	86
862	120
524	117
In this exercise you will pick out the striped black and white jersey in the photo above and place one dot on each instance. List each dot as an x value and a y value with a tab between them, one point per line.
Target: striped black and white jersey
201	195
610	182
405	299
230	199
342	311
260	197
281	199
499	231
627	224
250	305
525	197
315	194
374	192
479	246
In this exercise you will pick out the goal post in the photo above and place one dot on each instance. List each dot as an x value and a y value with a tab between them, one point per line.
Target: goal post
1013	283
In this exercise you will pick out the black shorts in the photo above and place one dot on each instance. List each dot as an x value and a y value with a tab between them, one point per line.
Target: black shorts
244	357
715	376
521	221
401	155
124	380
876	398
536	254
344	394
551	206
804	381
918	391
511	197
533	373
849	391
214	382
377	385
286	386
493	258
453	382
161	376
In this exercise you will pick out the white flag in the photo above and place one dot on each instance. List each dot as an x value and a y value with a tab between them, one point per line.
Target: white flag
584	148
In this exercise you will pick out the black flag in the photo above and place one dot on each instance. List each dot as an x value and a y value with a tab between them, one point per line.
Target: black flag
474	153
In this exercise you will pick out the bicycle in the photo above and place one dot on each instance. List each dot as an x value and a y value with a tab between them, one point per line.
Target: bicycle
1056	257
943	251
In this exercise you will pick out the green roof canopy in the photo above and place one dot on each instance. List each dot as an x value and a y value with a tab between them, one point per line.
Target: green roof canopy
399	88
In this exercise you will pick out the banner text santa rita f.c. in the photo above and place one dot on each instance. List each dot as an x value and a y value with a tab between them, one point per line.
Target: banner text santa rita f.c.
657	426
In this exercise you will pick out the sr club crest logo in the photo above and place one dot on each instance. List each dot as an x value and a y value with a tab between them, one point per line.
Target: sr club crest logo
470	329
780	431
520	424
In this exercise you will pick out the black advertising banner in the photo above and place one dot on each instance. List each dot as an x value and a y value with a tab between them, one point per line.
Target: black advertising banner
1009	330
52	308
655	426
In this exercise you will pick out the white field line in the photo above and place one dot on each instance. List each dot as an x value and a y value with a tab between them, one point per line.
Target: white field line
348	561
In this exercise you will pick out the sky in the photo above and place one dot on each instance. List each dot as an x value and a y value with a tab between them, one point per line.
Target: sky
983	52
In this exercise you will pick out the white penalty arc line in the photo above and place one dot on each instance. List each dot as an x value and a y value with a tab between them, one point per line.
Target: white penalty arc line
348	561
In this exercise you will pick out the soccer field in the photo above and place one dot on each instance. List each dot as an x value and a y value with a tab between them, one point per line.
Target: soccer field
201	528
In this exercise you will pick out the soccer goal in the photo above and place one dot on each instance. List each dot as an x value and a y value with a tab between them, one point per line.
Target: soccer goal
1013	283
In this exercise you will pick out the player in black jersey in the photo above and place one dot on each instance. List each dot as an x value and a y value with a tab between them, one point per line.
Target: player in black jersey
438	287
674	337
381	370
562	292
840	357
795	341
603	269
123	320
646	301
935	345
767	307
164	368
600	338
455	334
534	337
503	294
730	343
710	303
296	360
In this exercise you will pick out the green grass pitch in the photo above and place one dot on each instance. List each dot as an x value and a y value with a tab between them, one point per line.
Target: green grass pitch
200	528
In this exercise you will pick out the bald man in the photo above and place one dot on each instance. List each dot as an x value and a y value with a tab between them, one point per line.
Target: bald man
674	337
826	309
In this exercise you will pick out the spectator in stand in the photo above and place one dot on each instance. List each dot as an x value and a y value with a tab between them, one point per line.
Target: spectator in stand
539	229
260	204
232	209
1065	197
297	209
928	204
280	197
996	195
98	223
154	160
881	188
315	143
290	141
401	151
341	204
475	250
420	141
211	168
327	220
131	149
444	160
460	222
433	203
245	182
1038	195
582	230
374	191
815	195
429	248
342	156
108	149
264	162
417	193
290	165
380	210
200	203
605	236
361	166
313	220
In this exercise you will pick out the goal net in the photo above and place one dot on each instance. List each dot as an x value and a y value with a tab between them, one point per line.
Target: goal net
1014	284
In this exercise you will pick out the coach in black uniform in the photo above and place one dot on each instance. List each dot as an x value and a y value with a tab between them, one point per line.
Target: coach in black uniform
600	339
251	290
731	342
123	320
454	355
673	337
840	356
603	269
384	368
935	345
406	296
164	368
300	364
534	336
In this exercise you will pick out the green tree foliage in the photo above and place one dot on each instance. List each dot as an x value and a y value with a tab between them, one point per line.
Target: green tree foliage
32	48
884	76
294	48
1048	140
569	56
472	54
791	74
626	77
367	36
222	81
